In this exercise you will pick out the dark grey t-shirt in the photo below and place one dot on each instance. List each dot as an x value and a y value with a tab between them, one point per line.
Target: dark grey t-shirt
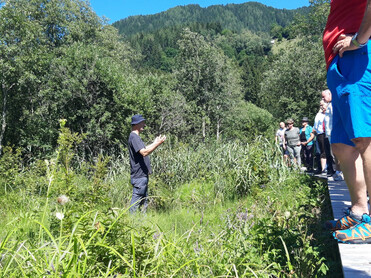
140	166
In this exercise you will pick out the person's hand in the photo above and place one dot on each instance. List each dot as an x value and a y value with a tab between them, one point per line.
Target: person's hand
160	139
343	44
304	143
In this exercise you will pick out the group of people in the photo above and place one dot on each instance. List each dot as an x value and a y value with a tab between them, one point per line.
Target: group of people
290	140
311	142
346	107
348	61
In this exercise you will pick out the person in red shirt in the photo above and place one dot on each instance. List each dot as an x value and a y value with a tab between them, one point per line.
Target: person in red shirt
348	61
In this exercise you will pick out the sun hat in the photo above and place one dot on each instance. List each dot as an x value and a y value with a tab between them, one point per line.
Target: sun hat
305	119
136	119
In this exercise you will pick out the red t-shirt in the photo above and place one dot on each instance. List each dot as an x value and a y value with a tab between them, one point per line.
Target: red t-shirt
345	18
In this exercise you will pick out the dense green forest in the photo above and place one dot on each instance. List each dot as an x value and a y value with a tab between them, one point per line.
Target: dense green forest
236	17
59	60
222	201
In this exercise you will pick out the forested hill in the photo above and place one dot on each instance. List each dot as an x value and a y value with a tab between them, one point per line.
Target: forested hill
251	15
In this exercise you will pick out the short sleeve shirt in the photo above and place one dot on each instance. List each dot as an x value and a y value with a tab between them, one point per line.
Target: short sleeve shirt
292	136
318	123
140	165
308	131
345	18
280	134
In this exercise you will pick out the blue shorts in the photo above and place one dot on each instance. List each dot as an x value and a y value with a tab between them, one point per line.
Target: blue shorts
349	80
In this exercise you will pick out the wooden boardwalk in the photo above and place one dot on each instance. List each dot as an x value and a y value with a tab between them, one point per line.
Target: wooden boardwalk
355	258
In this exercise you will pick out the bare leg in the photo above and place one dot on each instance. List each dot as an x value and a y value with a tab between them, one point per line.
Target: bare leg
352	166
323	163
337	164
363	145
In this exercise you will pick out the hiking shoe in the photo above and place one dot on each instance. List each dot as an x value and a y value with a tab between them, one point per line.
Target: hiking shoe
345	222
359	234
330	174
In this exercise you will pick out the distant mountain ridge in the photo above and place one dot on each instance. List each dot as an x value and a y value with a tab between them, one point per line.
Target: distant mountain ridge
253	16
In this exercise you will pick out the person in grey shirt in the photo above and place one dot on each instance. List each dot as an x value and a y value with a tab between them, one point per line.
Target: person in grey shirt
140	164
292	142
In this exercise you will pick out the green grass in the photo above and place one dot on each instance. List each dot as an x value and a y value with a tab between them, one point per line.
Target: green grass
242	214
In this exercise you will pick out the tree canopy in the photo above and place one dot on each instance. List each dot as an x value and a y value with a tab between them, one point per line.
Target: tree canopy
194	81
250	15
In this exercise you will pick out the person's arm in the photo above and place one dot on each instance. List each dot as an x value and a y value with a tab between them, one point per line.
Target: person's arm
299	144
312	135
284	141
330	119
344	42
150	148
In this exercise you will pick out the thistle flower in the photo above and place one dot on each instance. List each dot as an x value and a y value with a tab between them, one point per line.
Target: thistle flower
59	215
62	200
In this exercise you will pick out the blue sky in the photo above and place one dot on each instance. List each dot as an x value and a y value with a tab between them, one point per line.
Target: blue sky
119	9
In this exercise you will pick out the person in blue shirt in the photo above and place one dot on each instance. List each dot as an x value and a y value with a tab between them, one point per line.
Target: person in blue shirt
140	165
307	148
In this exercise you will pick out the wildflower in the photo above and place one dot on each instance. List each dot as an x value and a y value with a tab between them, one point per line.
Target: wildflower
157	235
287	214
63	199
59	215
242	216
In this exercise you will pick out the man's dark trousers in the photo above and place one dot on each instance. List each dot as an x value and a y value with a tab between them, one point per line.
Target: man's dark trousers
140	193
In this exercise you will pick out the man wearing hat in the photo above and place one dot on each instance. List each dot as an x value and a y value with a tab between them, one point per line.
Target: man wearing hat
140	165
307	150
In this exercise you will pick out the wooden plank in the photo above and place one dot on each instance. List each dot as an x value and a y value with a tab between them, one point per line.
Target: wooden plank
355	258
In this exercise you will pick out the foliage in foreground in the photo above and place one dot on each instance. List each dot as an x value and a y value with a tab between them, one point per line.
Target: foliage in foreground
218	210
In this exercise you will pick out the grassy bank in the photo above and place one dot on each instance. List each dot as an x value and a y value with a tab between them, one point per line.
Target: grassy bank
216	210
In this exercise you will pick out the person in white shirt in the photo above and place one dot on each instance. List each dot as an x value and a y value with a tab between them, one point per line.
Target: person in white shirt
280	134
327	97
319	130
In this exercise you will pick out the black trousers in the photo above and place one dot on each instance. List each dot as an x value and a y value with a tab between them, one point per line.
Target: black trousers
329	158
325	149
307	152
